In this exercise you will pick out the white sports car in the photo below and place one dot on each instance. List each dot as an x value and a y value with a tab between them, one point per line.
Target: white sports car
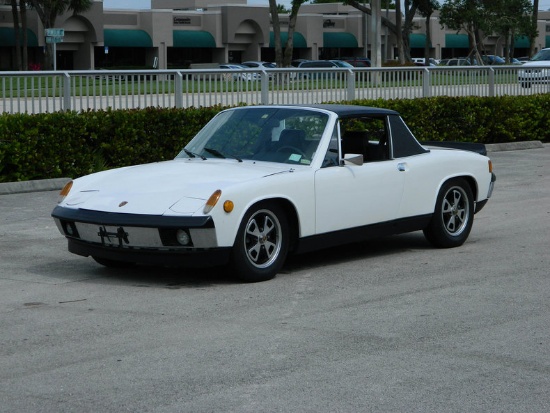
259	182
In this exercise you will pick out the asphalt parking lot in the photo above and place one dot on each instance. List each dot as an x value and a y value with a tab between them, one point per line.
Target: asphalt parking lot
386	326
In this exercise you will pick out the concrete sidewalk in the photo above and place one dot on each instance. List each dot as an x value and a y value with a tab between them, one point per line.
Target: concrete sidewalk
58	183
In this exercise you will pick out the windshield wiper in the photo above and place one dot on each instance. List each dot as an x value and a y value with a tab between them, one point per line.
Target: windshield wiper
217	153
194	155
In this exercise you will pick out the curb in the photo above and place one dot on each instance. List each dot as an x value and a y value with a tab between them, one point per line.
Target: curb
56	184
513	146
38	185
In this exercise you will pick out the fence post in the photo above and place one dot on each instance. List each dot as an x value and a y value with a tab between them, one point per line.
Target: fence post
264	99
66	92
426	83
178	89
350	77
491	82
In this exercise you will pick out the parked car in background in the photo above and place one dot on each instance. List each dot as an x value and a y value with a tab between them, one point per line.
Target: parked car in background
247	76
341	63
309	64
259	64
492	60
260	182
357	61
296	62
536	70
461	61
421	61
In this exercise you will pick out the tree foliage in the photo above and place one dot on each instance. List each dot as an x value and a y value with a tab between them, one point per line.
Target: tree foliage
507	18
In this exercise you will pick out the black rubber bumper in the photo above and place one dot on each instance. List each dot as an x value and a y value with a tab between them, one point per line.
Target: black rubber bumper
181	258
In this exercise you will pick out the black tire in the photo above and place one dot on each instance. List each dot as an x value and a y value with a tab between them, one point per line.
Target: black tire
112	263
261	245
453	216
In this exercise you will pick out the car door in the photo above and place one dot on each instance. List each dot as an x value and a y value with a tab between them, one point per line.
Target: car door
349	195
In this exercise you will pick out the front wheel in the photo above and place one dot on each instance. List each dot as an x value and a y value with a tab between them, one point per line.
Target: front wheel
453	217
262	243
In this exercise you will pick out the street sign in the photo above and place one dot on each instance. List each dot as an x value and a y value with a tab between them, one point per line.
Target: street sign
54	32
54	39
54	36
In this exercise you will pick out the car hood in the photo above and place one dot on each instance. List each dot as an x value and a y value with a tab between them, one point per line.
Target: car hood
180	186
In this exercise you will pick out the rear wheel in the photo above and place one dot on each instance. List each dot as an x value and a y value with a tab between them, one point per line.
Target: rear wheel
453	217
262	243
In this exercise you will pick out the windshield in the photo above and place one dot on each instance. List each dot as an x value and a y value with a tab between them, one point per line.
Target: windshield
544	54
286	135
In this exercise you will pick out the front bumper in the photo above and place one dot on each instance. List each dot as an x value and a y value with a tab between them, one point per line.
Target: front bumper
185	258
149	239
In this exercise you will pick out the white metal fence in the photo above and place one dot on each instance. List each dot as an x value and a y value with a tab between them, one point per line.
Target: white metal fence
38	92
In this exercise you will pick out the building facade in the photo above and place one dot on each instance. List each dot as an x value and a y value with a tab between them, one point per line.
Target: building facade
182	33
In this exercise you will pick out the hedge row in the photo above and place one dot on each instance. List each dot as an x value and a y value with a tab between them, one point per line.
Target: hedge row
474	119
74	144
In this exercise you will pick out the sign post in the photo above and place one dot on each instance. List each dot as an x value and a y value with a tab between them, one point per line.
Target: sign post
54	36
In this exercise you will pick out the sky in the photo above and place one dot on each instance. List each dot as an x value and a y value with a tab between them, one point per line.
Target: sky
146	4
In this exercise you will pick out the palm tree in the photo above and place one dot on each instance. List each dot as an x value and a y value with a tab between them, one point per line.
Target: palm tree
48	10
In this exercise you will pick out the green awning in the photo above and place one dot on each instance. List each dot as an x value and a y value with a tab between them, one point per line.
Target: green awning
7	37
459	41
299	40
521	41
417	40
339	40
193	38
127	38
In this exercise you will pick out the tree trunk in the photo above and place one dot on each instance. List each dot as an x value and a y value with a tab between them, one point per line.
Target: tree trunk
398	23
534	20
428	44
276	32
47	17
289	47
24	49
16	33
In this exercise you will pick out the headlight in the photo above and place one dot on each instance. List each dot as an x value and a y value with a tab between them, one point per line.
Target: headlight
183	237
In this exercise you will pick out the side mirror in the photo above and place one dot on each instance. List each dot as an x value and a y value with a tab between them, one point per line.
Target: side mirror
353	159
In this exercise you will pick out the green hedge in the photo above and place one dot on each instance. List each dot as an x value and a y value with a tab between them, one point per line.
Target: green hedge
474	119
74	144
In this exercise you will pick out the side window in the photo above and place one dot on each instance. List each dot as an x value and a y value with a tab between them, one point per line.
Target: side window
367	136
331	157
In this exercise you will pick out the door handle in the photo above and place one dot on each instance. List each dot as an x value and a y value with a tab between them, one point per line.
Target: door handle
401	167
